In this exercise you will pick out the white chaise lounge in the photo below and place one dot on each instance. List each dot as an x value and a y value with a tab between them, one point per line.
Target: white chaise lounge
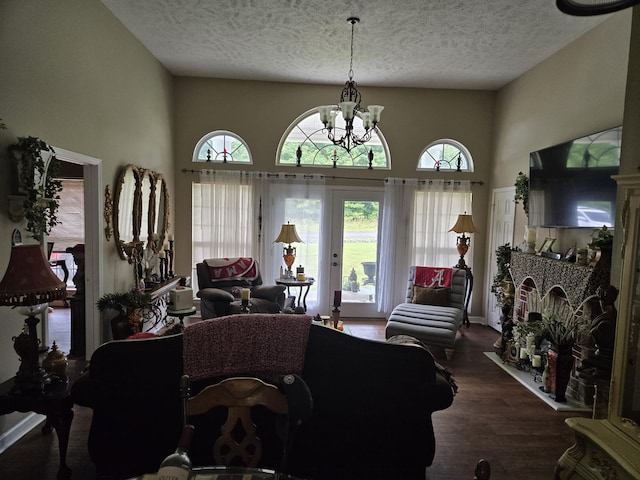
434	325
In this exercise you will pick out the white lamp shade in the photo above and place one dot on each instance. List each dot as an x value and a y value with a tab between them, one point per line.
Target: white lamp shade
376	112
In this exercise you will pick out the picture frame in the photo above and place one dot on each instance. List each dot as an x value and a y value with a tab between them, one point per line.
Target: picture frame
546	245
16	237
570	255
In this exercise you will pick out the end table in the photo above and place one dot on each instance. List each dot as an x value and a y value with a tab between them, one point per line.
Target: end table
292	282
55	402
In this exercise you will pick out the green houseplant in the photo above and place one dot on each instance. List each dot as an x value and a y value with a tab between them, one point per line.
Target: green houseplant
37	170
133	308
522	191
563	331
502	286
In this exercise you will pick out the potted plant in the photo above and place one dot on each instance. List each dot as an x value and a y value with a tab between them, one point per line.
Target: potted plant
132	309
38	186
563	332
522	191
602	245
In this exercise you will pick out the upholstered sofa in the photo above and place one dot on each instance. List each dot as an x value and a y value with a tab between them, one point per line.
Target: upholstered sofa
371	417
220	283
433	310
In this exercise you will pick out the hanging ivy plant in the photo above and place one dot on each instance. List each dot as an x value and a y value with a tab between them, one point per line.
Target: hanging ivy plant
503	261
38	170
522	191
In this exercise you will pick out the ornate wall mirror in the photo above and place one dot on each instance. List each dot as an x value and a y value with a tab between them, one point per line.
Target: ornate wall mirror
140	209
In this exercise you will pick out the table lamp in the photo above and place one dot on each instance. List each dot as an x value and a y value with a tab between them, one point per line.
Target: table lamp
288	235
464	224
29	284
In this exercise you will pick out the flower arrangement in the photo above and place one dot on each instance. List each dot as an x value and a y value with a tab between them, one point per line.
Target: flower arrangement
522	329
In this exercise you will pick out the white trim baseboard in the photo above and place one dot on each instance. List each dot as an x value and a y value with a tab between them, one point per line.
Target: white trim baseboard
19	430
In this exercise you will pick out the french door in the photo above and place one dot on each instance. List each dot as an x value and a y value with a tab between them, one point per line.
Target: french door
353	251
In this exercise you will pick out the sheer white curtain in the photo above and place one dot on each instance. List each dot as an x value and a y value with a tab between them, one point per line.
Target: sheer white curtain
416	219
299	200
393	258
437	206
226	211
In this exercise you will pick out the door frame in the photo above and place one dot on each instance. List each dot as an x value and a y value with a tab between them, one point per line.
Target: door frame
334	219
492	246
93	211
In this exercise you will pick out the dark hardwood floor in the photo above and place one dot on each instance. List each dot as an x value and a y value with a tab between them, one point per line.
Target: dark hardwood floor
492	417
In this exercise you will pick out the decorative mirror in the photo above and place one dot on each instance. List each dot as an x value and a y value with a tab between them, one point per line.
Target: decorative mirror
140	209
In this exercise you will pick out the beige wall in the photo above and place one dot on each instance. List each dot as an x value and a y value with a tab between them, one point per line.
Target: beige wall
260	112
72	75
577	91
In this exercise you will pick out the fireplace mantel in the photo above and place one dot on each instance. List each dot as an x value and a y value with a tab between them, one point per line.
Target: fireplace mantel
578	282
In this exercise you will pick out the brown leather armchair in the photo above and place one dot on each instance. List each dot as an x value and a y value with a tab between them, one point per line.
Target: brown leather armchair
221	280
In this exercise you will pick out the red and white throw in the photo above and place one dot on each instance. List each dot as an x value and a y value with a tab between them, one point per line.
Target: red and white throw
433	277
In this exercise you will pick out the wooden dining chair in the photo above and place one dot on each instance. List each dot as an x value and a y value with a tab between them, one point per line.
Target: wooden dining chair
239	443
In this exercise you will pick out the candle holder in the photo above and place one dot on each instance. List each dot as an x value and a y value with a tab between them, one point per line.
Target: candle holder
530	247
245	306
335	316
170	259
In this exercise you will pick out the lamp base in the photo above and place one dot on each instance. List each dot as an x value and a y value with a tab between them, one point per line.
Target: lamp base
461	263
30	376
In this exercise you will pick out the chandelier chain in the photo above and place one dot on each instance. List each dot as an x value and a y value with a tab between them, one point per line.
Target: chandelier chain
353	23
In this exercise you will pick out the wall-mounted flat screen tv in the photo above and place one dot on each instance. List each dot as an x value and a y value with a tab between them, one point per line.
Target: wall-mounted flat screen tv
570	184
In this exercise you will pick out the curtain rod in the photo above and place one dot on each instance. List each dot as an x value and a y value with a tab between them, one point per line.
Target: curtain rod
331	177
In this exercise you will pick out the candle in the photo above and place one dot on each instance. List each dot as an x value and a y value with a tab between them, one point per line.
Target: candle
536	361
246	293
165	245
524	354
161	254
531	234
170	237
337	298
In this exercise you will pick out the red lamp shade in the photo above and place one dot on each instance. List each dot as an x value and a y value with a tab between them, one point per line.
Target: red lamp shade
29	279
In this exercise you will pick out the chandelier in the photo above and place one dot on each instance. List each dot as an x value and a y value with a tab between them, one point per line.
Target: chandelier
349	106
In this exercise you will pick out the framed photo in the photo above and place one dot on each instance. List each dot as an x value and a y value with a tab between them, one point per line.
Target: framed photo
546	246
570	255
16	237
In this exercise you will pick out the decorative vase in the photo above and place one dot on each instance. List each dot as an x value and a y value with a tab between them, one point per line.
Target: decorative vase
560	360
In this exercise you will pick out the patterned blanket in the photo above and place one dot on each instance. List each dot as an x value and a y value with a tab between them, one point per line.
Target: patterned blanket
238	268
267	345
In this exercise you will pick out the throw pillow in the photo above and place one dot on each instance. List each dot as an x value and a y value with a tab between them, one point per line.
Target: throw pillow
431	296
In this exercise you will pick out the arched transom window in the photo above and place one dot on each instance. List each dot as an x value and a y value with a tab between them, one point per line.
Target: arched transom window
309	134
446	155
222	147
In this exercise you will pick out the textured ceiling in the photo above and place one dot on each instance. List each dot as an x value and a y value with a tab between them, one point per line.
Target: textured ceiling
481	44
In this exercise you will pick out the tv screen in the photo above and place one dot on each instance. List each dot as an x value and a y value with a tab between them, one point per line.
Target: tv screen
570	184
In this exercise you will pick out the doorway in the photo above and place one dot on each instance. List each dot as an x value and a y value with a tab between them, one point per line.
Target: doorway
502	224
353	250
